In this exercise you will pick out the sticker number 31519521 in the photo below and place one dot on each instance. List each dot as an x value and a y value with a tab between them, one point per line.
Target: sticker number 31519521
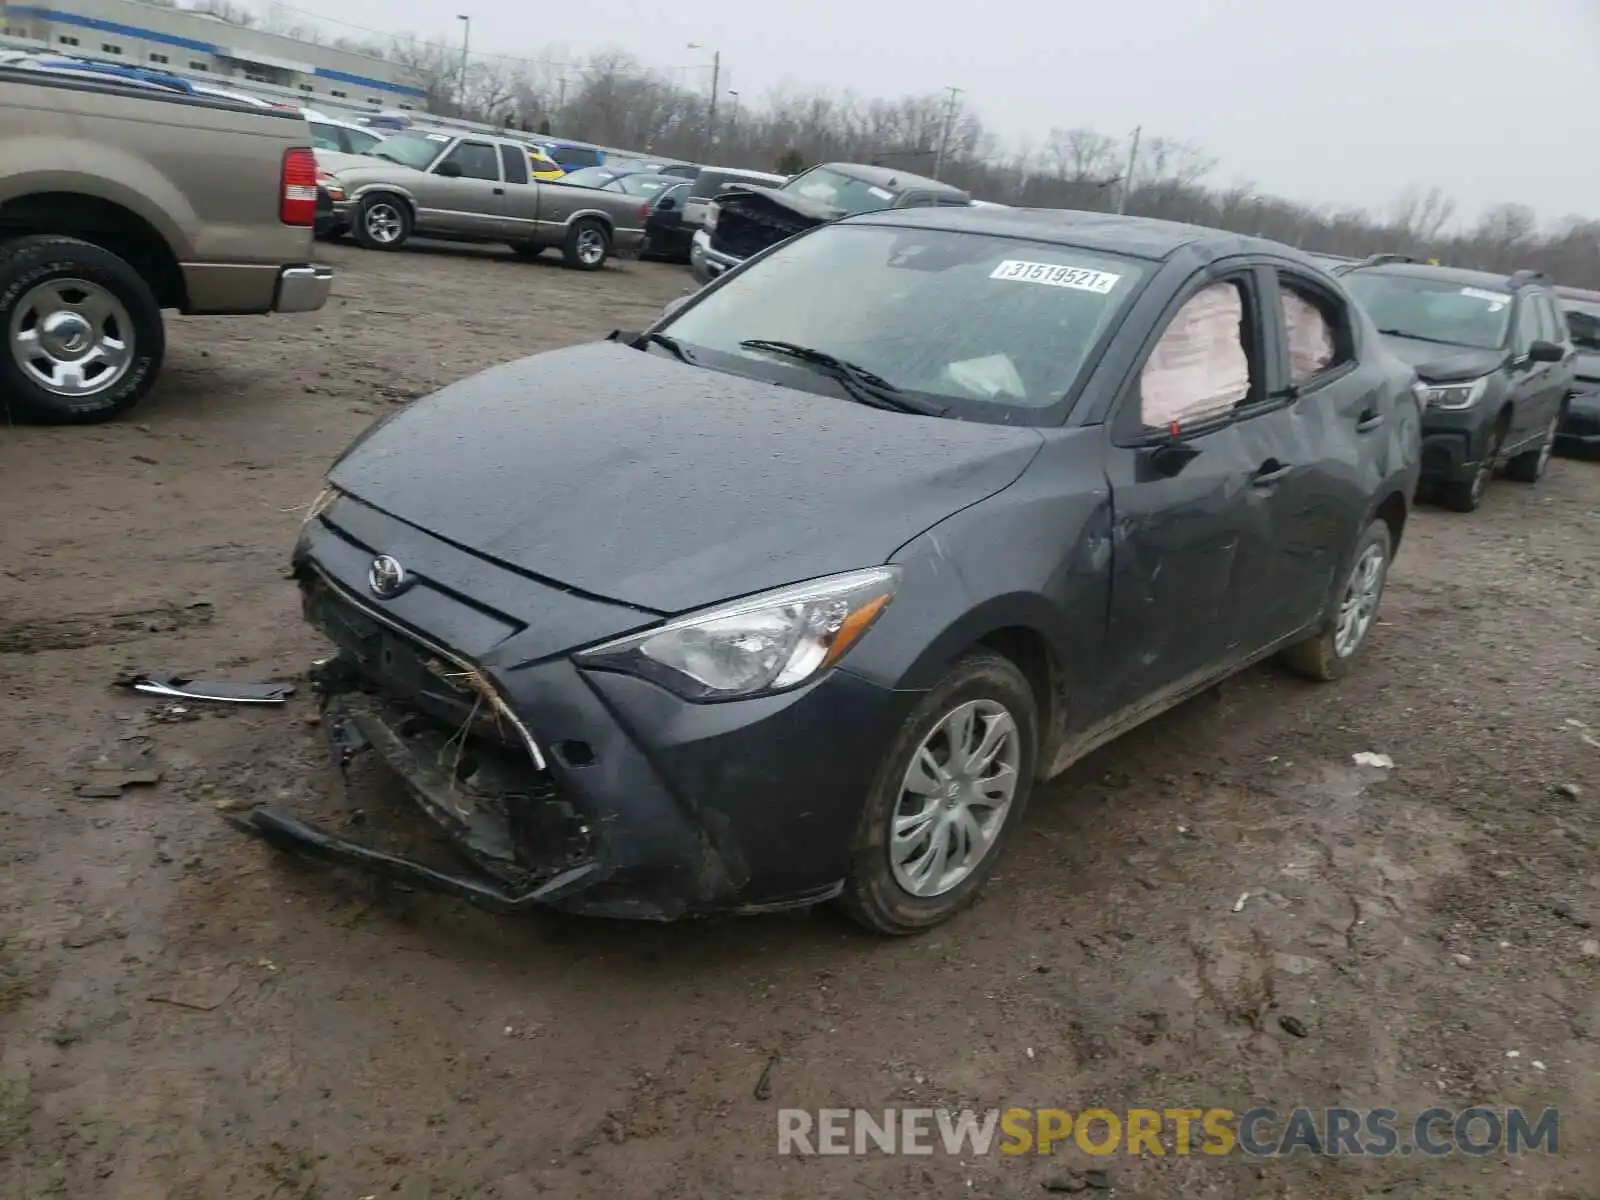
1082	279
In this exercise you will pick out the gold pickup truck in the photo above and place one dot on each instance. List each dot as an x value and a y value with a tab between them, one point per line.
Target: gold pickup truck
118	201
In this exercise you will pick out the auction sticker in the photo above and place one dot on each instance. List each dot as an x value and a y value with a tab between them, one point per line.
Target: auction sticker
1082	279
1483	294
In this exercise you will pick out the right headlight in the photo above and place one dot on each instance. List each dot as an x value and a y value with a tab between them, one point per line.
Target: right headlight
1455	395
762	644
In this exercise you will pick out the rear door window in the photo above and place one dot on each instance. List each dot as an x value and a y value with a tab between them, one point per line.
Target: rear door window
515	162
1317	329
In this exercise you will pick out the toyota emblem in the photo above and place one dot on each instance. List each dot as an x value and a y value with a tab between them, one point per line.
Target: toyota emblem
387	578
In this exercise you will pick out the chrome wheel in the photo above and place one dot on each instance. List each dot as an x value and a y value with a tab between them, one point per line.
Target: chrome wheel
591	246
954	798
72	337
1360	603
383	222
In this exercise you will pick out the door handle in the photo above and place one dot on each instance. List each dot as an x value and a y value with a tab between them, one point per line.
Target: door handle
1270	472
499	191
1368	421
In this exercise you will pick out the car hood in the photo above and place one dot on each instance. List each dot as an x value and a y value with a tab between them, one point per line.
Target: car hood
374	170
334	161
773	200
637	478
1437	363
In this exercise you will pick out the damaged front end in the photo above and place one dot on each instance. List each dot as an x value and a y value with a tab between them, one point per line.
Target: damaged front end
751	219
466	761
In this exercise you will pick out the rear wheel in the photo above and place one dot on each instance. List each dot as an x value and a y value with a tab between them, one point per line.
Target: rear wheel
946	799
1529	466
588	245
383	222
1466	496
1330	654
83	334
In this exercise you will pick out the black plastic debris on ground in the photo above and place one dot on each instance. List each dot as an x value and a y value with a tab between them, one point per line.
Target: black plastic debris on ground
106	780
186	687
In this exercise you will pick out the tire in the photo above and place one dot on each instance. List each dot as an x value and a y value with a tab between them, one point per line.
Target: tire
984	685
1529	466
1466	497
588	245
1331	653
527	250
383	222
104	341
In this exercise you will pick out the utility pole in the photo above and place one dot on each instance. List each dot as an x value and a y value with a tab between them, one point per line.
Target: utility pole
711	117
561	95
944	134
466	31
1127	176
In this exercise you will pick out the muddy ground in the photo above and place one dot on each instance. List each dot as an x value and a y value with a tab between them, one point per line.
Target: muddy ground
186	1013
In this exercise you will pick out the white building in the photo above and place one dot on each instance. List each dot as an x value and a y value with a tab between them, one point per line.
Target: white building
190	43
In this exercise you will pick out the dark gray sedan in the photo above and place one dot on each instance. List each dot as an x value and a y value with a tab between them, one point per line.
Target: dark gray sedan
799	595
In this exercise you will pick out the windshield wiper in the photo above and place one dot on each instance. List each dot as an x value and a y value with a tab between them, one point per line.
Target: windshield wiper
860	384
1417	337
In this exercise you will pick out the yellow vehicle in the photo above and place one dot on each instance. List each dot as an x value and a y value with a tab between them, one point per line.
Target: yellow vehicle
544	167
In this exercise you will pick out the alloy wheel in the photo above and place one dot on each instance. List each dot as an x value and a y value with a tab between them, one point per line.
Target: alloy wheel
1360	603
383	223
591	246
72	337
954	798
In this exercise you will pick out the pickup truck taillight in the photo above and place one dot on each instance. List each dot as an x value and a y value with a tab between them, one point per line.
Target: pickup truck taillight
299	206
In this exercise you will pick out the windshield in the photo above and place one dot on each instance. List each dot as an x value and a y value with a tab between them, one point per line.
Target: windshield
841	191
1433	310
984	326
589	177
415	150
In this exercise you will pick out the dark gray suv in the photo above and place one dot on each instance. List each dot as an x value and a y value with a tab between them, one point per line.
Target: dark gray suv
1496	359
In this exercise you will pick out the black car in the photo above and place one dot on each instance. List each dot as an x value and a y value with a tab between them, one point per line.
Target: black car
745	218
798	594
666	237
1580	429
1494	354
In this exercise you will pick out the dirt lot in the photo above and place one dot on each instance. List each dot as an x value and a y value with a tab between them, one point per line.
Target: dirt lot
187	1014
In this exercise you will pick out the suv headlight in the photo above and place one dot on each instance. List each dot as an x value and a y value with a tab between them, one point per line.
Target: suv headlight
1455	395
762	644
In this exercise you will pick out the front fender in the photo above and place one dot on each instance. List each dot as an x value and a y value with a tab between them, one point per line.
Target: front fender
367	189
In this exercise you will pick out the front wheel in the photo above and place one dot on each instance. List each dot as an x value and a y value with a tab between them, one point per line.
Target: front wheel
1330	654
1529	466
1466	496
946	799
383	222
83	334
588	245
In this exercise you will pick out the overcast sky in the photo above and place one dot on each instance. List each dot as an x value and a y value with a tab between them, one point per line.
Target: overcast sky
1339	101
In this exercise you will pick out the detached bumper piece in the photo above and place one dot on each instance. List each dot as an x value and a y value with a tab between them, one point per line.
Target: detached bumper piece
503	815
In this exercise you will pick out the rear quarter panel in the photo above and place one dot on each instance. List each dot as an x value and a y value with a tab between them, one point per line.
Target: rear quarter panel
206	176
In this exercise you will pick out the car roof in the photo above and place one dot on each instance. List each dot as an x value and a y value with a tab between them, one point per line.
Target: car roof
1572	293
890	177
1465	276
1132	237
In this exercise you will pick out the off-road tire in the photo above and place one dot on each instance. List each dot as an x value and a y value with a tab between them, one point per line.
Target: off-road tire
871	896
25	263
1317	657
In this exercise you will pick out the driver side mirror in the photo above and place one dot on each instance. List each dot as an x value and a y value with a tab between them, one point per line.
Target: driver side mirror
448	170
1543	351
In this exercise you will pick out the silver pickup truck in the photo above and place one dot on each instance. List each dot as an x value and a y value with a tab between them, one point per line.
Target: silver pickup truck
117	201
476	189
